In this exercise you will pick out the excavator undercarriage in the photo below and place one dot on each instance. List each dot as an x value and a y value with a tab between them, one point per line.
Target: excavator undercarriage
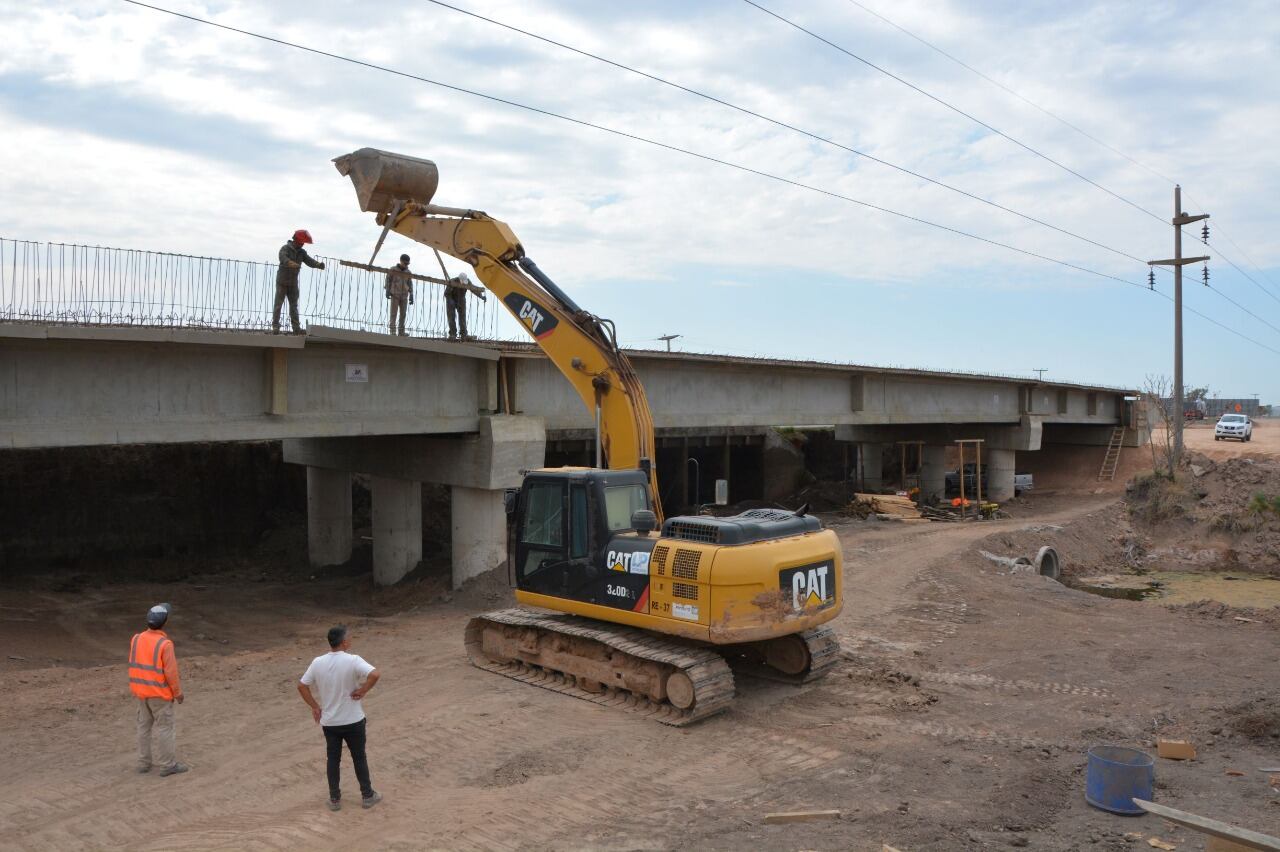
669	680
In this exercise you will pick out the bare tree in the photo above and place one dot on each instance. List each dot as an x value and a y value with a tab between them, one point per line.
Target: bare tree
1155	391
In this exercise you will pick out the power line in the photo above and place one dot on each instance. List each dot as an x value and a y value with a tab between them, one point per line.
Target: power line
954	109
1017	95
1077	129
663	145
637	138
779	123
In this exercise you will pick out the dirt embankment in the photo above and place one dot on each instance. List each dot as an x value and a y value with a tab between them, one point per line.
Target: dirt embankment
1218	514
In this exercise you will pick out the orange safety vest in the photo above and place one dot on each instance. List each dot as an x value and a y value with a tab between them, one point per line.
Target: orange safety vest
146	675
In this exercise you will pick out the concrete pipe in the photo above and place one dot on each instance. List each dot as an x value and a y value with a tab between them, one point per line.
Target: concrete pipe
1048	564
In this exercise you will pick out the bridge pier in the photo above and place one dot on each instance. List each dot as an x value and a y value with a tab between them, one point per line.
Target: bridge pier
1000	470
872	473
397	528
328	516
933	472
478	468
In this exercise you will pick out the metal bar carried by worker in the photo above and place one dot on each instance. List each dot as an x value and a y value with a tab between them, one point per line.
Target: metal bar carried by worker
448	282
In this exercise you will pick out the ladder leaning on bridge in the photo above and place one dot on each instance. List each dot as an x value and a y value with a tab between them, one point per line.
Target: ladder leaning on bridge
1112	459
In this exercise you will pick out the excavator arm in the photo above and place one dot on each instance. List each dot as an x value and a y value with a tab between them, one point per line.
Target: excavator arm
582	346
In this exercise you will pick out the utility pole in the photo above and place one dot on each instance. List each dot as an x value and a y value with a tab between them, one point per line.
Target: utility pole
1040	371
668	338
1177	262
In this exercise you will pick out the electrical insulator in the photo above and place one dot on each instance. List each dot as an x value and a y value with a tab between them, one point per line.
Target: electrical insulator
1204	233
1204	273
1151	279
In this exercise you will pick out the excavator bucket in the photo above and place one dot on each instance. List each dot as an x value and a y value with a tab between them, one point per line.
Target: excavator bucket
382	178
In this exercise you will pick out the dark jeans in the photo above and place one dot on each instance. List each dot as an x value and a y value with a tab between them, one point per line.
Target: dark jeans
353	736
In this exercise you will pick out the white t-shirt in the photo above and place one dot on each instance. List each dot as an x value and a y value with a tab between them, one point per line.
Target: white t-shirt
333	676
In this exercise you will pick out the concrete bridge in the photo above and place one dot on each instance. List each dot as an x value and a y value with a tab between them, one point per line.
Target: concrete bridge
473	415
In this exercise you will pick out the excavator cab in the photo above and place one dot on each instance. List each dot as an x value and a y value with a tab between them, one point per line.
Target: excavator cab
575	533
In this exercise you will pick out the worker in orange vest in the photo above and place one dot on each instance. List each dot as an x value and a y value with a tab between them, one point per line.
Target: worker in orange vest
153	677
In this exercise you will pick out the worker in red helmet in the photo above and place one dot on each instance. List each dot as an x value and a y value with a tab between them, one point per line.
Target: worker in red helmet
292	256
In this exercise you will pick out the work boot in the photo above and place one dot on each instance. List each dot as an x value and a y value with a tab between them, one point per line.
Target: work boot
176	769
453	335
370	801
143	769
275	329
335	804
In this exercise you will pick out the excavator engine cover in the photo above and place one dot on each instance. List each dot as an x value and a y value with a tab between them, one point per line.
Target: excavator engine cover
382	178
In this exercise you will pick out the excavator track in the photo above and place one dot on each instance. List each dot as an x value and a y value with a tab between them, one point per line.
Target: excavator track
820	654
620	667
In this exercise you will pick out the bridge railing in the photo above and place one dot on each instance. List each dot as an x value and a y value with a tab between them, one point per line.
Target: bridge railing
98	285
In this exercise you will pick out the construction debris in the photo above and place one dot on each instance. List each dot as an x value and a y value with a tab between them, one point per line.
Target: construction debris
1212	827
801	816
1161	844
886	507
1175	749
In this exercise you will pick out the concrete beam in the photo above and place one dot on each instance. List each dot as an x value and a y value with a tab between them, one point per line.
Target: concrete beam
397	528
492	459
479	521
1027	435
328	517
1091	436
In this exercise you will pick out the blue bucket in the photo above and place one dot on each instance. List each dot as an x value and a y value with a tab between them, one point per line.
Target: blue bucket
1117	776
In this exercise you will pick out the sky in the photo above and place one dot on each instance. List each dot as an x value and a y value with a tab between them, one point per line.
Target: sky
123	126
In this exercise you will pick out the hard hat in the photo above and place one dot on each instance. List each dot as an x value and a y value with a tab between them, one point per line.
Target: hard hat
462	276
158	615
302	236
404	258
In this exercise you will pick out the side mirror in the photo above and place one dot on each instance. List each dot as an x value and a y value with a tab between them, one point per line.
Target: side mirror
509	499
644	521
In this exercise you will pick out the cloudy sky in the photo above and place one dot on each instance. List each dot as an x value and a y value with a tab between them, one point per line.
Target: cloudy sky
128	127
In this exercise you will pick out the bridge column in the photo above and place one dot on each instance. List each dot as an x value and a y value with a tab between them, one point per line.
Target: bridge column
872	466
1000	465
933	472
328	516
479	532
397	528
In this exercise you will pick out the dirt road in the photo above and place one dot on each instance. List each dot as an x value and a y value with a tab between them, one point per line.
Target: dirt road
1265	441
959	719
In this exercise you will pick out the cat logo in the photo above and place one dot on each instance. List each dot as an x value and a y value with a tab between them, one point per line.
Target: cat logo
630	563
537	319
810	586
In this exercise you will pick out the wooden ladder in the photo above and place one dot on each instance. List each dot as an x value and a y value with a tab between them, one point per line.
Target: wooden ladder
1112	459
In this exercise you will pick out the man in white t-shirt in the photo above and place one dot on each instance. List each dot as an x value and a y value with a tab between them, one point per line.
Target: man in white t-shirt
341	681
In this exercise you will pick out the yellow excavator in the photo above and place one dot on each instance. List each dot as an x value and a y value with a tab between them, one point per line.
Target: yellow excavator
632	611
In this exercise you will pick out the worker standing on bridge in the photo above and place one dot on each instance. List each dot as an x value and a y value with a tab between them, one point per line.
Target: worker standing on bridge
292	256
455	302
153	678
342	680
400	291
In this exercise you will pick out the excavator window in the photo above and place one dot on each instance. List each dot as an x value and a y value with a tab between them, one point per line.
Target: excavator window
540	554
544	515
620	501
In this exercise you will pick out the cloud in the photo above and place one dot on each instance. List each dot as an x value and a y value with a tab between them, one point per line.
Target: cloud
183	137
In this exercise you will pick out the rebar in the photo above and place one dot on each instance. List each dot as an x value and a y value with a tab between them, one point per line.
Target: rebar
99	285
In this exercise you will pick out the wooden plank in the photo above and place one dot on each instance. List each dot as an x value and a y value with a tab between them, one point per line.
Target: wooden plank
1213	827
801	816
448	282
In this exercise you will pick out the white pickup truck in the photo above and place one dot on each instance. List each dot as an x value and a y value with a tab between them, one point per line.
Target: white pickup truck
1236	426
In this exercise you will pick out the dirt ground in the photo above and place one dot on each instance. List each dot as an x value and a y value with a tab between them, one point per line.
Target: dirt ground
959	717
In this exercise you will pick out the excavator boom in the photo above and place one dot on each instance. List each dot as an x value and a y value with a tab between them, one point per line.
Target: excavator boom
583	347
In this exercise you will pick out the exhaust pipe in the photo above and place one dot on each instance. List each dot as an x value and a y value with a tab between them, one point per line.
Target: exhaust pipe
382	178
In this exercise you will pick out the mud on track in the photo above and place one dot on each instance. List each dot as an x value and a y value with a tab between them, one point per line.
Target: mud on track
957	718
